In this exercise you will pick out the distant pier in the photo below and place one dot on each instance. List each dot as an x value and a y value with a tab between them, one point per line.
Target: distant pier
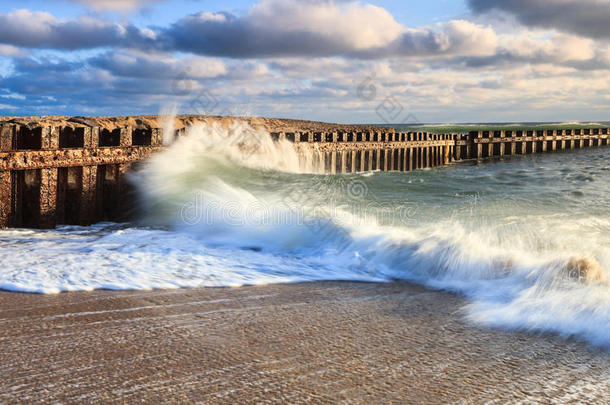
52	175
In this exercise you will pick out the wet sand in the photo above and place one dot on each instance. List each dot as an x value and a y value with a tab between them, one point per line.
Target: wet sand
317	342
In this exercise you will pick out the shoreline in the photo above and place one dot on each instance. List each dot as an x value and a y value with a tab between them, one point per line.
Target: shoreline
317	341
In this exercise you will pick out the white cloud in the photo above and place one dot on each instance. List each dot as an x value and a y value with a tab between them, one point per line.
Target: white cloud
158	65
38	29
116	5
9	50
355	25
544	47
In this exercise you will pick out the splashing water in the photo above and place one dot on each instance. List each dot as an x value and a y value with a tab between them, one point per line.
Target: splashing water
526	240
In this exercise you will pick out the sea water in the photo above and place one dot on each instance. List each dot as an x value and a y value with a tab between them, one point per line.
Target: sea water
526	239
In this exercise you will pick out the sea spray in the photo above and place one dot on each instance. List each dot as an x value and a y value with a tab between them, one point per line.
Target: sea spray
168	122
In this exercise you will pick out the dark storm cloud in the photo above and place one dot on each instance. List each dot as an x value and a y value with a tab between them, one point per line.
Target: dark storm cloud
223	34
584	17
226	35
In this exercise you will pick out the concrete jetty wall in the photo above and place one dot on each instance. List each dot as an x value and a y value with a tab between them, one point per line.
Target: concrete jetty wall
66	175
52	175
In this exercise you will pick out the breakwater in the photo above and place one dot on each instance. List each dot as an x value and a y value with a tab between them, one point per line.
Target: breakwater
53	175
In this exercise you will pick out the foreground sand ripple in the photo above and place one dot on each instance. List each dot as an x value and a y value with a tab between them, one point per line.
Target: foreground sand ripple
321	342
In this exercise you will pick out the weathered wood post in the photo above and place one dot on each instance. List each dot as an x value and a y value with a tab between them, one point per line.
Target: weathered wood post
48	197
490	146
6	198
532	145
479	145
7	137
418	152
502	142
513	143
470	150
88	195
524	142
126	136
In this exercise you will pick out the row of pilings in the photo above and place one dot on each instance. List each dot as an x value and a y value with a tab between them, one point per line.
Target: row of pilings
66	175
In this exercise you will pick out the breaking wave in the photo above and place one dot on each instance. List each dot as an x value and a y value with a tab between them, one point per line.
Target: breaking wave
526	241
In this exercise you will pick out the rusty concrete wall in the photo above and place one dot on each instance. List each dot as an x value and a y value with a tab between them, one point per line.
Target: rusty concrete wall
51	175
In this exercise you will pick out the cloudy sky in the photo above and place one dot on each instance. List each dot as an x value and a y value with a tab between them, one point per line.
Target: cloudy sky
335	60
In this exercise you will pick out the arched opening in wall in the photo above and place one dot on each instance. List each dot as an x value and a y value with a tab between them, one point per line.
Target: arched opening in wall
71	137
142	137
69	195
463	151
26	201
530	144
109	193
381	153
28	139
396	159
486	147
540	144
374	159
110	138
496	146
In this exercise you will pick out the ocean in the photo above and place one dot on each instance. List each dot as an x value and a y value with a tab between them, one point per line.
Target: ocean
526	239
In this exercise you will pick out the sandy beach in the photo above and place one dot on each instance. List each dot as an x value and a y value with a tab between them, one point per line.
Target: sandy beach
318	342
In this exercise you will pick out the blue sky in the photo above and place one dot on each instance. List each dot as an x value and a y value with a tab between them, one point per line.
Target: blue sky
333	60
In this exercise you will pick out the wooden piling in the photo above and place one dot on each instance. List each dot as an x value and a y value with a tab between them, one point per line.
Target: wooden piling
6	194
48	197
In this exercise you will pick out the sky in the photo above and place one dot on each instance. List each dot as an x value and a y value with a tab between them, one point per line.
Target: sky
376	61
